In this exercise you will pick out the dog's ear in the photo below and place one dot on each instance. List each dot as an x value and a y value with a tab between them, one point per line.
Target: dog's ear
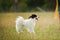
33	16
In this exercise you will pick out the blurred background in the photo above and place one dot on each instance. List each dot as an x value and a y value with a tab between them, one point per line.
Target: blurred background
47	27
27	5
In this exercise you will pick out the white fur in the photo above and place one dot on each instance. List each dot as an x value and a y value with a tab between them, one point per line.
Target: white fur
29	24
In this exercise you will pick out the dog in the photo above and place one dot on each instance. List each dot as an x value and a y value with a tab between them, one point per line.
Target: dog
29	23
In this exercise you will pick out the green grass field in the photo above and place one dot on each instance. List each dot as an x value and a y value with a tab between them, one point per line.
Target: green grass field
47	28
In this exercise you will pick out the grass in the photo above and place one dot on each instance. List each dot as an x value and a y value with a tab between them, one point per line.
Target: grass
47	28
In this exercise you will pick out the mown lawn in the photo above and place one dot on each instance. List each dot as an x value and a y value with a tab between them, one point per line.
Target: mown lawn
47	28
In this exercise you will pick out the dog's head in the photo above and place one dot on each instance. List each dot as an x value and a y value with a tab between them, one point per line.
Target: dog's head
34	16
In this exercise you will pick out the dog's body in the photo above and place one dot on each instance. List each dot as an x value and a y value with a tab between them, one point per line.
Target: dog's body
29	24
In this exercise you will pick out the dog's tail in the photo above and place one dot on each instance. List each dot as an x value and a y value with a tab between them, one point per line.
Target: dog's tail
20	19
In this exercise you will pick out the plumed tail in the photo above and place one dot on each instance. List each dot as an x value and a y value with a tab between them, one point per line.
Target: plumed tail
20	19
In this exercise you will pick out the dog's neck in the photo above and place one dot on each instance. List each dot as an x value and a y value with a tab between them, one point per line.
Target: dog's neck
34	20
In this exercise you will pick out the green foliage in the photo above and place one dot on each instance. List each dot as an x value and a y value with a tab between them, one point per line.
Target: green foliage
22	6
5	4
26	5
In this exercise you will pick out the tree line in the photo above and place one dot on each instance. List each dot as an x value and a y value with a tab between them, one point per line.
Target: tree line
27	5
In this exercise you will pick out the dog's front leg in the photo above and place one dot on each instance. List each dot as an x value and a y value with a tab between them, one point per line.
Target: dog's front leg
31	30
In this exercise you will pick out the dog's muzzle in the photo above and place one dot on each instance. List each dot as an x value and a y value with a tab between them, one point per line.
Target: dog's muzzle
37	18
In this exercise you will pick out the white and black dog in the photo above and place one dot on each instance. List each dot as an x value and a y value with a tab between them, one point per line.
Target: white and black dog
29	23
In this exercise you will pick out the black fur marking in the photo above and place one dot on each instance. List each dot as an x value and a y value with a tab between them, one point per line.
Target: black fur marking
33	16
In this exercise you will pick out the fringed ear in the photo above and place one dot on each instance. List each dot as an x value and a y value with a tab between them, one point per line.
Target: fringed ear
33	16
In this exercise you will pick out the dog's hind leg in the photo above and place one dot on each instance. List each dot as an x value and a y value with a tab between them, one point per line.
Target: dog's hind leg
18	28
